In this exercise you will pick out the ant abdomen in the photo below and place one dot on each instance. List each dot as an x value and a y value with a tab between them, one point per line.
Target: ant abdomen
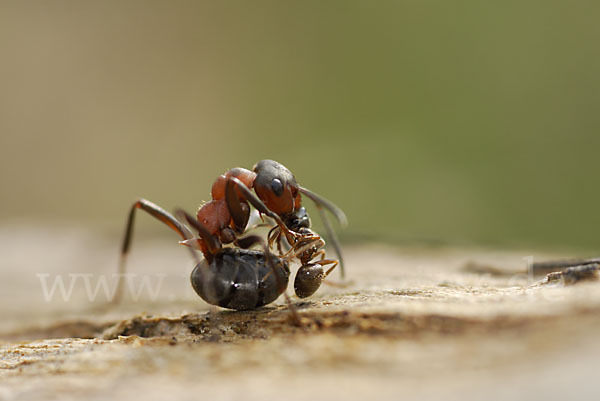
240	279
308	280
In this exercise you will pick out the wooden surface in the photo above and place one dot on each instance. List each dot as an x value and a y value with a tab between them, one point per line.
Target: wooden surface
413	323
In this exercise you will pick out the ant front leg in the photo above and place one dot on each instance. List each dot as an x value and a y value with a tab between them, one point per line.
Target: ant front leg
156	212
274	237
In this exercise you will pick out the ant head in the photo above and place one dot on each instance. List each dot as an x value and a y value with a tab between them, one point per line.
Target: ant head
276	186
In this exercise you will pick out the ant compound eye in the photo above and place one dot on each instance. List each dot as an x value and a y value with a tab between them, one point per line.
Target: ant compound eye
277	186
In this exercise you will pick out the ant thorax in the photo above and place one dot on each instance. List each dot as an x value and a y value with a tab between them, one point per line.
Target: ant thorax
307	246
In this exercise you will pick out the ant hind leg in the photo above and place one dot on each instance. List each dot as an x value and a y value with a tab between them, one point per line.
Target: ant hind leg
156	212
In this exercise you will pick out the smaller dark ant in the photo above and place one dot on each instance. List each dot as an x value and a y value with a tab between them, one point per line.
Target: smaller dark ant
237	277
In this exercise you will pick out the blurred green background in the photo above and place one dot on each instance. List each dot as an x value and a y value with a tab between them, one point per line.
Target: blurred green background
465	122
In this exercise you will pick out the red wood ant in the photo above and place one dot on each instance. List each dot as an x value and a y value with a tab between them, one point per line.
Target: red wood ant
237	277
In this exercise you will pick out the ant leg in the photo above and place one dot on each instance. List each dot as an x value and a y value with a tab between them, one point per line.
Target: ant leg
275	237
272	236
304	245
329	282
212	243
321	203
321	253
279	242
234	204
324	262
251	240
157	212
329	262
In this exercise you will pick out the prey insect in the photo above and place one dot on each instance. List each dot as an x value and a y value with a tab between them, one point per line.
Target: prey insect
235	276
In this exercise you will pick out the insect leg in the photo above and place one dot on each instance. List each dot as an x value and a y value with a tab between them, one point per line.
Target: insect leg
212	243
322	261
234	204
329	262
156	212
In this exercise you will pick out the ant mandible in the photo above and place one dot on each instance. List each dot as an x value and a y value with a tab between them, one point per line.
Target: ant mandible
239	278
